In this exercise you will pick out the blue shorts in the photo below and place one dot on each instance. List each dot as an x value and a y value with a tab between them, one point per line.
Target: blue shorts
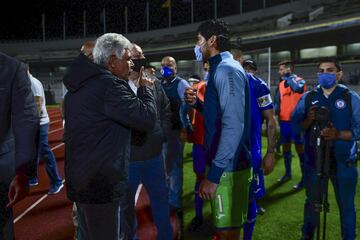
287	135
199	165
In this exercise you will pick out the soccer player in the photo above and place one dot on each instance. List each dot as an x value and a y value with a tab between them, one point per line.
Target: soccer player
226	111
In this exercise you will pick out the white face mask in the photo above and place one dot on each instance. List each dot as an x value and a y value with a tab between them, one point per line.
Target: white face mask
198	53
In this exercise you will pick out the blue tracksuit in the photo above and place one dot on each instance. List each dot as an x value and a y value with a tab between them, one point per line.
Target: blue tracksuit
344	178
226	117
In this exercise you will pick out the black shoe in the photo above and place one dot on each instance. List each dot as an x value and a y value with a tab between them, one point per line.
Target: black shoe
260	210
284	179
195	224
299	186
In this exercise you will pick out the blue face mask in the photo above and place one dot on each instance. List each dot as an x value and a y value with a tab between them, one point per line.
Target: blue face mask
166	71
198	54
327	80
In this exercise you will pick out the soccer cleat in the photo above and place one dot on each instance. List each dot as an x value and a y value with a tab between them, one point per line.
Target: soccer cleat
284	179
33	182
299	186
54	189
195	224
260	210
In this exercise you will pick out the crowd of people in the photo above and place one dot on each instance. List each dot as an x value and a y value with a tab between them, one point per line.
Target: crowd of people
125	127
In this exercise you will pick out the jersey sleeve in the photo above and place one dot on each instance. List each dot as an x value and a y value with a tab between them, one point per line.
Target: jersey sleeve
355	119
263	96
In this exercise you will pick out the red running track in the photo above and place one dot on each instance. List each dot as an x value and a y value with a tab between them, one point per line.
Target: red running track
44	217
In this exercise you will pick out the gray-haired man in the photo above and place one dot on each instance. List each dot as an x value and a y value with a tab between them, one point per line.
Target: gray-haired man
100	110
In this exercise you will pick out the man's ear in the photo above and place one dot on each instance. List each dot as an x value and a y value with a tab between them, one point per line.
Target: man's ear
111	62
339	75
212	41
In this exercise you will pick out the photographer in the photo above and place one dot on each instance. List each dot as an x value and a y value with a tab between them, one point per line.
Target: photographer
340	134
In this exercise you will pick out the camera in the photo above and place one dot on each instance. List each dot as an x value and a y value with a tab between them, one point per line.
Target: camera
322	117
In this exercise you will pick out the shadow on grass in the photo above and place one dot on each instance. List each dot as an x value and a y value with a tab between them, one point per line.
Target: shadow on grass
270	199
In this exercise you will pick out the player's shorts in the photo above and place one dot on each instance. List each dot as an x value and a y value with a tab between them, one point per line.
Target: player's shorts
199	165
230	203
287	135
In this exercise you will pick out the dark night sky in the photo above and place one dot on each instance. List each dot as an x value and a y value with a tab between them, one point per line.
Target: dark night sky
22	19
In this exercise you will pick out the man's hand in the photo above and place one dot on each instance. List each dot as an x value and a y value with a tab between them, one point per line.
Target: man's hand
207	189
268	163
186	136
310	118
143	80
330	133
190	96
18	190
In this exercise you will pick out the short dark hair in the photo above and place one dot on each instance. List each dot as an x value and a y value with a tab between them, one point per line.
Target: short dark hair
218	28
287	63
331	60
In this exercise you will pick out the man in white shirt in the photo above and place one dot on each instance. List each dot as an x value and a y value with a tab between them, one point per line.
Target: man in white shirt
44	148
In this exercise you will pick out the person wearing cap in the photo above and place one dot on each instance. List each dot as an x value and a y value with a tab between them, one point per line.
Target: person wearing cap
261	108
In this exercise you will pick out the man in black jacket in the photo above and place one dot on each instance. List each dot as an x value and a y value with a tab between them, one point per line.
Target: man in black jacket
19	125
100	110
146	162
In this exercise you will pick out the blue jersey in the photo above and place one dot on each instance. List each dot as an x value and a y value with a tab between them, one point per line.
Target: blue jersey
260	101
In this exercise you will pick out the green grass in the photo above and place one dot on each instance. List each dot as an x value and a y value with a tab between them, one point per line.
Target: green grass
284	206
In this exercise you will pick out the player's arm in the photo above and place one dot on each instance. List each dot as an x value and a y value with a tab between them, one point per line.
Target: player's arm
332	133
296	86
231	89
269	159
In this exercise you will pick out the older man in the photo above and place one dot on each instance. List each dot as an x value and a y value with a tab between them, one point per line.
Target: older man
19	125
146	162
100	110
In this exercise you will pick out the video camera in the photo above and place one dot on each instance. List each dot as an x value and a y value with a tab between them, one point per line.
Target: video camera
322	117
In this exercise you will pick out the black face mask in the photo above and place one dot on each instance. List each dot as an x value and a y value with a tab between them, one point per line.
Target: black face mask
138	63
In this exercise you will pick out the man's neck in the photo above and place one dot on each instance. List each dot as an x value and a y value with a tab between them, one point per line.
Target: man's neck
328	92
214	52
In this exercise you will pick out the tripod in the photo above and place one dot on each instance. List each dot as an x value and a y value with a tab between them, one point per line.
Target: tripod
323	168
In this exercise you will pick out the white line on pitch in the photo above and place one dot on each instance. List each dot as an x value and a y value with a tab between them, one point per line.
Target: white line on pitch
33	206
137	193
57	146
56	130
52	122
41	199
30	208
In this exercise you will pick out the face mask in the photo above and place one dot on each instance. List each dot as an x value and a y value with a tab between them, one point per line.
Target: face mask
166	71
198	54
206	75
327	80
138	63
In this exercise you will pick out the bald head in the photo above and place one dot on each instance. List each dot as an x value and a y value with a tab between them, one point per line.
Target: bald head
169	62
136	52
237	55
87	49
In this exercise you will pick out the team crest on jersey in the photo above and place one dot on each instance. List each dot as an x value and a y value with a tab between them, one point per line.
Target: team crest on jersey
340	104
264	101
